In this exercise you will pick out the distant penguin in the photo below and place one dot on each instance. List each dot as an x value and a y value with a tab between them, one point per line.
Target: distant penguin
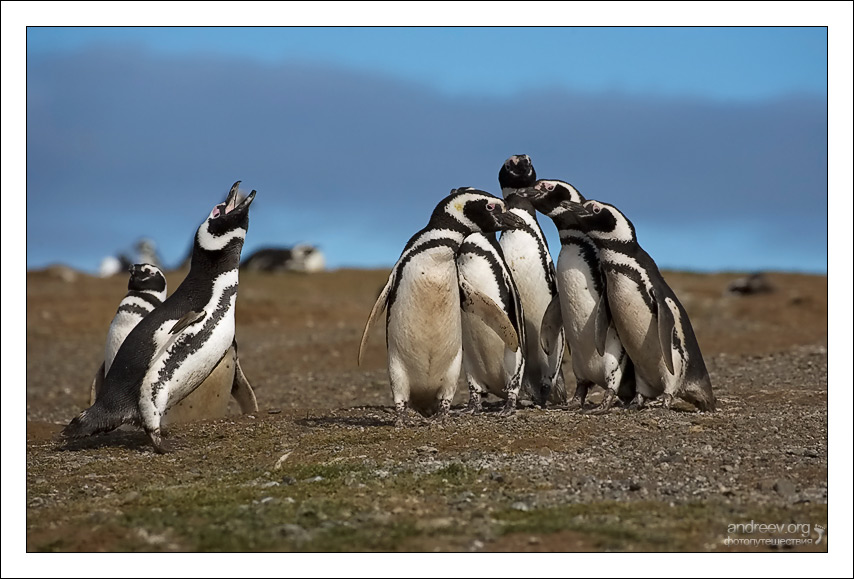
423	325
653	326
490	364
175	347
581	288
527	255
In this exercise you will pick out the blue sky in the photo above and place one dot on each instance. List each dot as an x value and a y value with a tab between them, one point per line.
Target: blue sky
712	140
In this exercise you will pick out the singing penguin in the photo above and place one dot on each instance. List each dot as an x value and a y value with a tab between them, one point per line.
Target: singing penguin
423	324
527	253
652	324
171	351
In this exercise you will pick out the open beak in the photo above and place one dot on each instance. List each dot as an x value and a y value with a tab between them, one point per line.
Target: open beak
231	201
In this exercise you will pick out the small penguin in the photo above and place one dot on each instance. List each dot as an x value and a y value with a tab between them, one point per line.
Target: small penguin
146	290
423	324
174	348
483	273
581	286
527	255
651	322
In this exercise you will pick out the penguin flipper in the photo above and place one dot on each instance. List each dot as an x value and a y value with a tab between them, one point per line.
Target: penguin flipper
666	323
481	305
96	384
551	325
241	390
601	322
378	309
188	319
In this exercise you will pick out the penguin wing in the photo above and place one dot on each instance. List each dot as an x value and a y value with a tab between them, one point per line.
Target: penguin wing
666	323
551	325
188	319
602	319
241	390
97	383
481	305
379	307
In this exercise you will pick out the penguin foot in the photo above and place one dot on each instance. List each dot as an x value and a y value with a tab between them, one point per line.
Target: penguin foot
667	400
474	406
407	417
605	405
638	402
509	406
156	441
575	403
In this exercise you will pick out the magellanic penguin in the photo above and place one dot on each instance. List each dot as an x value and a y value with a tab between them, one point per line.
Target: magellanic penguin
146	290
653	326
527	255
423	324
581	289
490	364
173	349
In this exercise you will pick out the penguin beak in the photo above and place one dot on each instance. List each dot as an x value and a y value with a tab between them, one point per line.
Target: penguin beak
509	220
576	208
531	193
231	201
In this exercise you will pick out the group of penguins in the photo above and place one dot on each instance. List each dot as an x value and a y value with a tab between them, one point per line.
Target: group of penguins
500	311
457	299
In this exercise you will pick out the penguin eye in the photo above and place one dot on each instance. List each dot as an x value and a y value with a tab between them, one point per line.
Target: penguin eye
490	206
550	186
596	208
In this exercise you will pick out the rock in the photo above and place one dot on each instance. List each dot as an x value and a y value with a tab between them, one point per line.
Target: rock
520	506
294	532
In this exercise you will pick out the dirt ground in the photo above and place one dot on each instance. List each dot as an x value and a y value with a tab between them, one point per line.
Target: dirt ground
321	466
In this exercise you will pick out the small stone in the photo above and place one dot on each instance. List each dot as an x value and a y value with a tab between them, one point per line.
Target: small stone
314	479
784	487
635	486
286	480
520	506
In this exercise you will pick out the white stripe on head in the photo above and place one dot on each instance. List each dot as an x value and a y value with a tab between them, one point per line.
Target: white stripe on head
456	207
622	230
212	242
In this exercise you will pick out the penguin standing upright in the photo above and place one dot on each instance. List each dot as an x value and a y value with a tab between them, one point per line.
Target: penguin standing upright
146	290
173	349
423	324
653	326
581	287
490	364
527	255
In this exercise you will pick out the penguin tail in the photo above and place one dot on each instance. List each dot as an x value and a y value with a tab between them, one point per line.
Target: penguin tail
92	421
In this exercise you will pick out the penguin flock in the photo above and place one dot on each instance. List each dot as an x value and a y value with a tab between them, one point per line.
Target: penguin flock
501	312
458	301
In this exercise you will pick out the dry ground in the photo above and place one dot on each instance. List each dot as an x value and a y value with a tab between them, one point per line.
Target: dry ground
322	468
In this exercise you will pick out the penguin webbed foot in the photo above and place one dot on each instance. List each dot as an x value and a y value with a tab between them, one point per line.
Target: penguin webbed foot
605	406
156	441
407	417
509	408
474	407
637	403
580	396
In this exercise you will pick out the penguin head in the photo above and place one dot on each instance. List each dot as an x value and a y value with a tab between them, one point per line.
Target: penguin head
603	221
474	211
517	172
146	277
226	222
549	196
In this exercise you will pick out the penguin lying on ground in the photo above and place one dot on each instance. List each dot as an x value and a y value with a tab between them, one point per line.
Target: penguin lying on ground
581	289
490	364
423	332
653	326
171	351
527	255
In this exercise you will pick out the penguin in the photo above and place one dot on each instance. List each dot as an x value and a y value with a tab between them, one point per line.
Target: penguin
146	290
482	270
422	296
527	253
581	286
171	351
652	323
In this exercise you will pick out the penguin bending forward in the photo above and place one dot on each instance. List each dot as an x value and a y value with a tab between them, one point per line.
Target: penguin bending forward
653	326
527	253
171	351
491	363
581	289
423	324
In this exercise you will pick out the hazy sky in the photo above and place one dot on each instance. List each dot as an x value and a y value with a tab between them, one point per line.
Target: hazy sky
712	140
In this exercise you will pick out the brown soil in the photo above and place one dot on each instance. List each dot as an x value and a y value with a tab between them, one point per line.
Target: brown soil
322	468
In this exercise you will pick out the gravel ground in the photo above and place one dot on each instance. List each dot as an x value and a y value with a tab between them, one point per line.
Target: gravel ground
321	467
